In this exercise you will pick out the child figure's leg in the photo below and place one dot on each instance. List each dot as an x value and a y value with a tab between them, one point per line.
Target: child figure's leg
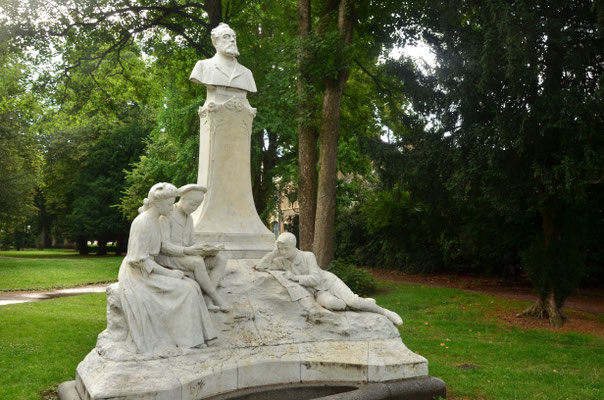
369	305
215	265
206	285
330	302
339	290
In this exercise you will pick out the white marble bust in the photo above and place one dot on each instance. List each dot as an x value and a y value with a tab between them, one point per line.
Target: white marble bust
223	69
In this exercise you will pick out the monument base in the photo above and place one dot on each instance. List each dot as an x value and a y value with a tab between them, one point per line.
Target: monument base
266	339
425	388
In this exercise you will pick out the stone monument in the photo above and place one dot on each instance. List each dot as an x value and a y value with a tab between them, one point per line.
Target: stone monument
228	216
286	330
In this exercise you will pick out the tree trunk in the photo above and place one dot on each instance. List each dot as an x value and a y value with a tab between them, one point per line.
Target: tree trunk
102	248
324	240
546	308
41	239
82	244
324	245
307	135
214	10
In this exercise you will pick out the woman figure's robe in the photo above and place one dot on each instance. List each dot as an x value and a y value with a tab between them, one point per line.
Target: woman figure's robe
162	312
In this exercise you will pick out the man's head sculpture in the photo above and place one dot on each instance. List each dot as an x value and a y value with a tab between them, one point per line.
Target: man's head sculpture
286	244
225	40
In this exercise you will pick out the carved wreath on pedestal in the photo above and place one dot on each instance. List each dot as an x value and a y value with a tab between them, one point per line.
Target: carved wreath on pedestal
232	104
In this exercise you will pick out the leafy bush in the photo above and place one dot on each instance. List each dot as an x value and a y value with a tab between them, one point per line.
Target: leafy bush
357	279
390	230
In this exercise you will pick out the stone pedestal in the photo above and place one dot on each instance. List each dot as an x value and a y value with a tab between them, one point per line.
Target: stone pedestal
228	216
265	340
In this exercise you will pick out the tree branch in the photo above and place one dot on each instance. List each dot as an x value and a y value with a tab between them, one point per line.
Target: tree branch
373	77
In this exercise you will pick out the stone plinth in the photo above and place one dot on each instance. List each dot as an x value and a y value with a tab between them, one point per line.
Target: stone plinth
265	340
228	216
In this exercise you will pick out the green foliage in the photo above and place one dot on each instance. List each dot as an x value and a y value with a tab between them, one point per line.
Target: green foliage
90	141
505	132
508	121
389	230
85	175
360	281
20	153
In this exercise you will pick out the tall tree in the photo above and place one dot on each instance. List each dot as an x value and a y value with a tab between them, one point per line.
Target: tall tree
307	130
323	46
520	104
20	153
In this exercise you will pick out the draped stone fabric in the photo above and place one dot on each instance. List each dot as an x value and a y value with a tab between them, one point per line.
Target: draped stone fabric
162	312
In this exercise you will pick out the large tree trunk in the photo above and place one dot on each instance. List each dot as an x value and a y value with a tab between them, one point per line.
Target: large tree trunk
324	245
82	244
102	248
307	135
546	308
214	10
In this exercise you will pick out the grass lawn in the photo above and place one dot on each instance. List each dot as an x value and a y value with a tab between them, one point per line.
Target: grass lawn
42	343
481	358
49	269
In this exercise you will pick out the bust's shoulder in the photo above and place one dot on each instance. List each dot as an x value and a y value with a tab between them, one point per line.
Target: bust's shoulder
205	61
243	68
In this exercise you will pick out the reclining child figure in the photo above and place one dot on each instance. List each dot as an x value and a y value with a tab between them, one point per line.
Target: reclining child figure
327	289
180	251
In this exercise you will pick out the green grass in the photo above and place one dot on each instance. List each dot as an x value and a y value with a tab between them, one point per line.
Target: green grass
49	269
33	253
42	343
451	328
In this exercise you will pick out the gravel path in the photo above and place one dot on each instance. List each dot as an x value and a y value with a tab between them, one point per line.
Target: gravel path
26	297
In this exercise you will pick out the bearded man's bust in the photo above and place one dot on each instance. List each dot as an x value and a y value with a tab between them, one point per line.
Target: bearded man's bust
223	69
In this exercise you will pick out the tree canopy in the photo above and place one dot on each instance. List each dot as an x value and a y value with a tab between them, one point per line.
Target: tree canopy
490	160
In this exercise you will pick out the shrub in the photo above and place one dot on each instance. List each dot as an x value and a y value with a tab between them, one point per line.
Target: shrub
390	230
357	279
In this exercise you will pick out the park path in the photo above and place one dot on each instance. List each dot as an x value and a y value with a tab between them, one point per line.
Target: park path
26	297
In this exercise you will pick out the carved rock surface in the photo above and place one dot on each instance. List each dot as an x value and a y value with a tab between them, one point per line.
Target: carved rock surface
266	339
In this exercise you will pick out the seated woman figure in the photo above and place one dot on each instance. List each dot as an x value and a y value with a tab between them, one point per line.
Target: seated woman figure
164	310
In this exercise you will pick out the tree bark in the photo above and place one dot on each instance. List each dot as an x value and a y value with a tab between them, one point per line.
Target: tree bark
324	244
82	244
324	240
214	10
546	308
102	248
307	135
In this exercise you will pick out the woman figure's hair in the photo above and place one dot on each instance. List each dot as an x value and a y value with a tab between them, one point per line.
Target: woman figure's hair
159	191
